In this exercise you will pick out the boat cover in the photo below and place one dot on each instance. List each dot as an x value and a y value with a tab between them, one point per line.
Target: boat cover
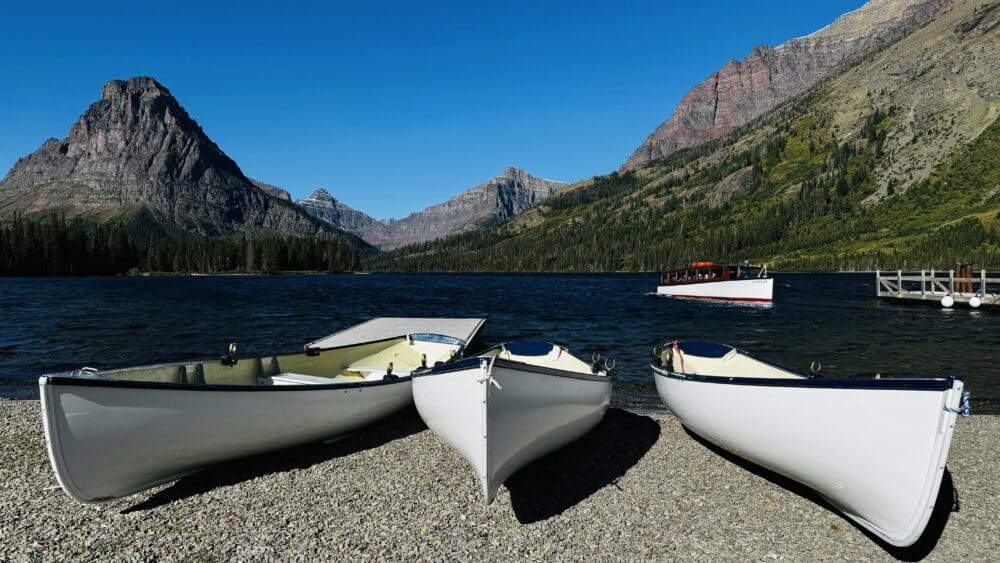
388	327
528	348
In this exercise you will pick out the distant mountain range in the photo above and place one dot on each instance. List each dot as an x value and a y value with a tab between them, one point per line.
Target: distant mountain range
137	155
872	143
509	194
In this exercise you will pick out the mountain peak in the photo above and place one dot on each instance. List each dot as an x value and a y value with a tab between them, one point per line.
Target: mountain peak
513	173
510	193
137	148
321	194
143	85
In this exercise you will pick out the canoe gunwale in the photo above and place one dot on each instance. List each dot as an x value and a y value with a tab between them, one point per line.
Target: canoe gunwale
897	384
61	376
72	381
475	361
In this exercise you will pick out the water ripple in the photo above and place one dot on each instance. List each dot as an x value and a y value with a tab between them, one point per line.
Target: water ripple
53	324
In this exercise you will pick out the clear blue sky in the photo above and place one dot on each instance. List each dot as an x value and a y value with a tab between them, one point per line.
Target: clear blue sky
390	106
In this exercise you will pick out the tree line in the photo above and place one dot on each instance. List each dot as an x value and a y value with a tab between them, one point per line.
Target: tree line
55	245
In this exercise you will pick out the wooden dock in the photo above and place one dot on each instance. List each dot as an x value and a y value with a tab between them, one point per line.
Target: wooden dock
948	288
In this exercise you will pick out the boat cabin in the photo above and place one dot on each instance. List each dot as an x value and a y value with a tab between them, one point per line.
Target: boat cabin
701	272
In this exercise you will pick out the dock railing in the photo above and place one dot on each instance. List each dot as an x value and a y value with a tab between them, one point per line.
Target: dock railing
934	285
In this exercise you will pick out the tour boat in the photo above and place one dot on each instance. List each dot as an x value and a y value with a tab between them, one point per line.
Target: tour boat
708	280
111	433
875	449
511	405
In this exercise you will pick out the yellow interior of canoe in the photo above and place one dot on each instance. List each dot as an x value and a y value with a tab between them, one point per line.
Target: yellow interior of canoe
556	358
362	362
733	364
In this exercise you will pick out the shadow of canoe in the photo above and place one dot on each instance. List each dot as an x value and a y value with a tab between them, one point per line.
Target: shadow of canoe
946	503
560	480
300	457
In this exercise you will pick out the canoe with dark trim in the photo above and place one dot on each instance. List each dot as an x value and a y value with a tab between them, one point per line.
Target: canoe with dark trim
511	405
112	433
875	449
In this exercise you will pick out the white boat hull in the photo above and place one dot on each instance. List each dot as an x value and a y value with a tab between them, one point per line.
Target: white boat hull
759	290
876	451
503	415
110	439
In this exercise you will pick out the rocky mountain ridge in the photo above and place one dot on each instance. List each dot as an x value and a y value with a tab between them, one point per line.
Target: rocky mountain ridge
272	190
324	206
743	90
136	150
509	194
892	163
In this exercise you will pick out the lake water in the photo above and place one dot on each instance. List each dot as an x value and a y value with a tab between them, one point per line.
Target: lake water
57	324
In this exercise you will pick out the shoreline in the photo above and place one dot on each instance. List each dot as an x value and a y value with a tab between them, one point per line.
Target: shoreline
408	272
636	487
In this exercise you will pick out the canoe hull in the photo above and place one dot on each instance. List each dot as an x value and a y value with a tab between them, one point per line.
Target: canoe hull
752	290
109	439
504	415
876	451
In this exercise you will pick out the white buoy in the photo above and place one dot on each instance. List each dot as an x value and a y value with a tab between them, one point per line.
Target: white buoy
974	302
947	301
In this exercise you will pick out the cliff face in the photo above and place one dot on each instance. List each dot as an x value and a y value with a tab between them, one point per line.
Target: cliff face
509	194
272	190
137	148
743	90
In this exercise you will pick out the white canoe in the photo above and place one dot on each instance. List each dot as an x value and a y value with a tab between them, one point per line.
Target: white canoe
875	449
511	405
114	433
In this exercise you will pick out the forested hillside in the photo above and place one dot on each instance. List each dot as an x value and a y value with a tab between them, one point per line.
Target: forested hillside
893	164
643	221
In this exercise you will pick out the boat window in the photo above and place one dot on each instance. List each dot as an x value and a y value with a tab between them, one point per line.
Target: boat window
438	338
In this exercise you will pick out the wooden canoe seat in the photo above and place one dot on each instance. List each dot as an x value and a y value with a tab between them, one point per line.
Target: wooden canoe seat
243	373
404	359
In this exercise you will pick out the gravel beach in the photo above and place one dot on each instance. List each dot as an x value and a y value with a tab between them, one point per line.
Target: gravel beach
637	487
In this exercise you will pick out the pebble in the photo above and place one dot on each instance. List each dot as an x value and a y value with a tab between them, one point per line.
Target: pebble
637	487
